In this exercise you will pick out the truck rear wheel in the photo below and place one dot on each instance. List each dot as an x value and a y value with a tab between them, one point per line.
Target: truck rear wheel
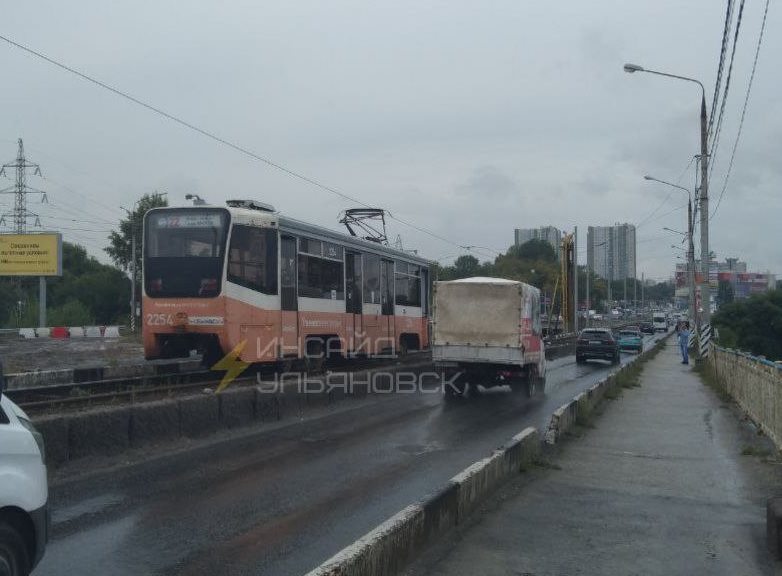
535	384
14	560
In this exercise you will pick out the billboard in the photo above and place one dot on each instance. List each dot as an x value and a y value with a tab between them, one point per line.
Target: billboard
37	254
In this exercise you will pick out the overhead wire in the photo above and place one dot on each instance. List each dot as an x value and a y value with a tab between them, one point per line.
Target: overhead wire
743	111
221	140
720	66
717	132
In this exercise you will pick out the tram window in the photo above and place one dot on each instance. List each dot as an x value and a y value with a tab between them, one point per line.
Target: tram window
371	279
332	251
321	278
252	258
408	284
310	246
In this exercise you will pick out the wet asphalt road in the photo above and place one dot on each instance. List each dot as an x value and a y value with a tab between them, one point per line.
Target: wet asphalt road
280	500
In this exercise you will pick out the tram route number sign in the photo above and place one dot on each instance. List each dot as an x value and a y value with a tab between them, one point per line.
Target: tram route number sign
37	254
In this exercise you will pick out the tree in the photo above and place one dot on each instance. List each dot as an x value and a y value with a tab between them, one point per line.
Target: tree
120	242
754	324
88	292
534	250
466	266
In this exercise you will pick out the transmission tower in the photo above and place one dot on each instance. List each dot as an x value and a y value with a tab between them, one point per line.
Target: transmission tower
20	190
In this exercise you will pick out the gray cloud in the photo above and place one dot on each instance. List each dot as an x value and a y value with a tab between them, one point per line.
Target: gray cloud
468	119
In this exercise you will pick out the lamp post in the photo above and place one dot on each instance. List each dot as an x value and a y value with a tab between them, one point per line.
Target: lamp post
704	190
588	274
690	245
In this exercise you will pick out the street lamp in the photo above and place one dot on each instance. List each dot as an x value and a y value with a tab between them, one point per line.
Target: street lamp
588	274
704	191
690	245
675	231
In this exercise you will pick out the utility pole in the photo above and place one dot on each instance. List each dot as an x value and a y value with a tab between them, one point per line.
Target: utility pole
643	283
704	207
21	215
575	279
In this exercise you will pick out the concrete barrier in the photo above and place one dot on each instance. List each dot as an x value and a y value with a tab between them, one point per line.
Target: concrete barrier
755	384
59	332
76	331
54	429
199	415
389	547
154	423
93	332
27	333
99	431
22	380
42	332
237	407
104	432
111	332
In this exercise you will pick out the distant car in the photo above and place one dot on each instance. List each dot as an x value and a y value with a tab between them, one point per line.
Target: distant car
631	340
597	343
647	328
660	323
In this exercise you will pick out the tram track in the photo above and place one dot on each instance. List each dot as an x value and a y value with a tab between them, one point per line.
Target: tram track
56	398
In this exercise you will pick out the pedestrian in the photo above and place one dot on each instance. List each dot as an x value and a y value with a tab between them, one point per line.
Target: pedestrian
684	342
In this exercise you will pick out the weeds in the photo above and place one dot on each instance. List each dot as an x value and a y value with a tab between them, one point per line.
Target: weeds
755	451
709	379
542	462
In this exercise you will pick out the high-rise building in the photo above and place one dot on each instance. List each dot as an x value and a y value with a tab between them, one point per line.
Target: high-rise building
548	233
611	251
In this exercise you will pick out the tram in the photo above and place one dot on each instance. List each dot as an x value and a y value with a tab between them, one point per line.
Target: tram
273	289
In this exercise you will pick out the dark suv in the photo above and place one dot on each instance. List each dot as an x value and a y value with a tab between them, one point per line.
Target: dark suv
647	328
597	343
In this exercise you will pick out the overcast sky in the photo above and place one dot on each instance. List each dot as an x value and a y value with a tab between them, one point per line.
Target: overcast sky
468	119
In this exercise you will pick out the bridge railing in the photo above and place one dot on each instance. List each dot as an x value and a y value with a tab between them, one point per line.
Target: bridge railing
754	383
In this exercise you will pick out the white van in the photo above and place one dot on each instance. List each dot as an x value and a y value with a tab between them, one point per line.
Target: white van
24	493
660	323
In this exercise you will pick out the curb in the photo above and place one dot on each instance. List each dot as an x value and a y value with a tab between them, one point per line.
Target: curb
388	548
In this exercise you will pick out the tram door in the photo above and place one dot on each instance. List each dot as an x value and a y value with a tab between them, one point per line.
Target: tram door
288	298
387	301
353	299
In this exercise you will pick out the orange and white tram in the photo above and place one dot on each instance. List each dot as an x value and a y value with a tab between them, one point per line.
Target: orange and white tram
246	278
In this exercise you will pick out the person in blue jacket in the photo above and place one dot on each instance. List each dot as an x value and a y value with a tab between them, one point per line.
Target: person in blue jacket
684	342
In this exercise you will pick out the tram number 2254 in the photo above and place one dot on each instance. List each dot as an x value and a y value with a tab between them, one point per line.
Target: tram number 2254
159	320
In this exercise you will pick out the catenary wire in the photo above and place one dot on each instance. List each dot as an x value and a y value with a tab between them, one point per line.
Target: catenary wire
216	138
743	111
718	130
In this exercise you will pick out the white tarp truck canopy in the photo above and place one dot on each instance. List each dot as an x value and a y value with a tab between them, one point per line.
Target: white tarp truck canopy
483	312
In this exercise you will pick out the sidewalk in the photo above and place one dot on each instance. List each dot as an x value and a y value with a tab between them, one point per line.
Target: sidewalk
659	486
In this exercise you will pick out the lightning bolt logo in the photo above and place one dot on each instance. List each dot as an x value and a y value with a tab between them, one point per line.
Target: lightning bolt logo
232	365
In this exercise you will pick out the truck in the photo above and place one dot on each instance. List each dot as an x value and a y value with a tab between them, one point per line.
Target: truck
488	332
24	493
660	322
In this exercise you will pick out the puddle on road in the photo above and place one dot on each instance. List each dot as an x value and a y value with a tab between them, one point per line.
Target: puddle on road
86	507
418	449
